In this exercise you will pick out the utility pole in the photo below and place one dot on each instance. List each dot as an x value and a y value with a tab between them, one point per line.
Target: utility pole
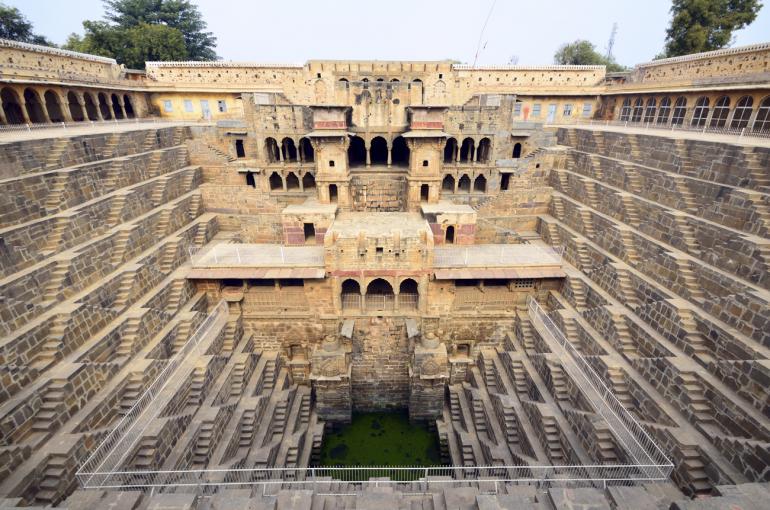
611	43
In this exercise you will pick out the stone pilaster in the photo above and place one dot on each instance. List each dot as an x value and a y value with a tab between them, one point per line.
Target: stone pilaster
428	373
330	376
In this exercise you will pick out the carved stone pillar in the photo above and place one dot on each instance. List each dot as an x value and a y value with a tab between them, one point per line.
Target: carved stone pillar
428	374
330	376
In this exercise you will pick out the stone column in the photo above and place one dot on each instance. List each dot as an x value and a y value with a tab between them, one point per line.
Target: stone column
24	112
330	376
280	151
368	155
65	107
428	374
457	153
3	118
475	153
122	106
390	156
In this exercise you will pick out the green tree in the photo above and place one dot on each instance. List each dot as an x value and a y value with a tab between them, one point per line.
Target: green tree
705	25
16	27
582	52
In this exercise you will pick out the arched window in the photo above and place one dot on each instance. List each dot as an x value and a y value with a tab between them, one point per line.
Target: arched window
464	184
11	106
625	111
721	111
516	150
762	122
638	110
379	295
664	111
408	295
680	109
356	152
450	150
289	149
480	184
308	181
466	151
271	150
399	153
104	106
484	150
701	112
276	182
649	112
378	151
306	150
116	108
292	181
448	184
34	108
128	106
90	105
52	106
76	112
742	112
449	235
351	295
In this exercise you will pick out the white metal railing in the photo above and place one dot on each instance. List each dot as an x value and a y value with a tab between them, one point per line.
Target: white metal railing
669	126
85	123
497	255
116	446
256	255
647	457
351	301
379	302
408	301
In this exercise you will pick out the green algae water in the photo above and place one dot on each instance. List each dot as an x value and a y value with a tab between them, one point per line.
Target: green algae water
380	439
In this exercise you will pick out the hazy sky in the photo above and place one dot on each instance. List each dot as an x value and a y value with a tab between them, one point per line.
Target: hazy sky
293	31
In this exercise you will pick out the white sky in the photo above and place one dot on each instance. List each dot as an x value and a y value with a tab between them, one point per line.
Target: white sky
294	31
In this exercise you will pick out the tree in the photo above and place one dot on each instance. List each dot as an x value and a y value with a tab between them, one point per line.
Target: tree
583	52
16	27
705	25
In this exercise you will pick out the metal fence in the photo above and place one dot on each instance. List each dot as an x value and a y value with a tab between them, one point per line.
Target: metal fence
744	132
8	128
251	255
497	255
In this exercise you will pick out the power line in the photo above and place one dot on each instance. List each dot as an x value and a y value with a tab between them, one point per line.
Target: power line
611	42
481	35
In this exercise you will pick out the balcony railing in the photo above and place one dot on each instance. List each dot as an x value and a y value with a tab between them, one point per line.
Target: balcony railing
380	302
745	132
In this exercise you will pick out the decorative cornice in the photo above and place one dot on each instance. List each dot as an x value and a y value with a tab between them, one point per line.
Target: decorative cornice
7	43
708	54
220	63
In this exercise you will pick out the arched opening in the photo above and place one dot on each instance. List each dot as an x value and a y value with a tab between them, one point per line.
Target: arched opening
680	109
378	151
463	350
351	295
485	149
308	181
394	80
276	182
448	184
34	108
408	295
379	295
480	184
53	107
701	112
516	150
625	110
306	150
449	236
636	116
271	150
424	192
742	112
76	112
649	112
11	106
464	184
289	149
292	182
356	152
333	193
466	151
721	111
664	111
104	107
399	153
450	150
116	108
762	122
128	106
344	81
90	105
250	180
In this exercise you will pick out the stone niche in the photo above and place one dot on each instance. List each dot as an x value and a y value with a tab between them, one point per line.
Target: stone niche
428	374
307	223
450	223
330	376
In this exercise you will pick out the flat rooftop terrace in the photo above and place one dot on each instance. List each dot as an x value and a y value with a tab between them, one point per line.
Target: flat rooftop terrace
257	261
350	224
505	261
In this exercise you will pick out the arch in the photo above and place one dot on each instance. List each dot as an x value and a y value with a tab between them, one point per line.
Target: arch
762	122
448	184
289	149
333	193
11	106
701	112
664	111
379	295
450	150
276	181
424	192
90	105
350	295
449	235
516	150
34	106
484	150
394	80
680	109
480	184
76	111
104	107
466	150
378	150
343	80
636	116
128	106
116	108
408	294
399	152
292	181
356	152
625	110
308	181
720	113
464	184
742	112
271	150
306	150
53	106
649	111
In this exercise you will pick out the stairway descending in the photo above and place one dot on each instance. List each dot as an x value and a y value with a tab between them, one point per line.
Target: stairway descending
55	236
280	414
51	407
695	470
131	393
479	416
552	440
701	408
53	157
203	444
128	336
620	389
54	199
246	433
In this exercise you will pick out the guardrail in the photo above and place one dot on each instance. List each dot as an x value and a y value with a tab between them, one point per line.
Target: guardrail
501	255
11	128
744	132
